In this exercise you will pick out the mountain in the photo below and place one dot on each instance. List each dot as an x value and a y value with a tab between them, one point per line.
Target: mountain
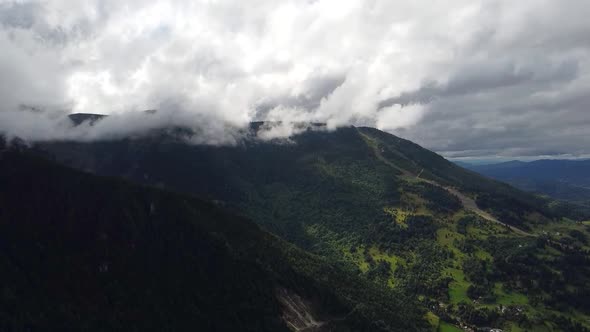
567	180
546	169
79	118
310	166
473	251
83	252
562	179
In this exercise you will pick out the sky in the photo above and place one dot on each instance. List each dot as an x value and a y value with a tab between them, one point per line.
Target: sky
468	79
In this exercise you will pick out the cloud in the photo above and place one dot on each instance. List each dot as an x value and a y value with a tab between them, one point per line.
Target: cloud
396	117
33	125
487	77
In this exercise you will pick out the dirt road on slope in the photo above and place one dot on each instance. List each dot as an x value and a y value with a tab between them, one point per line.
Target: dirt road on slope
467	202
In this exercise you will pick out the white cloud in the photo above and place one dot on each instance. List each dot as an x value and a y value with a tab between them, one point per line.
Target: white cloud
397	116
323	60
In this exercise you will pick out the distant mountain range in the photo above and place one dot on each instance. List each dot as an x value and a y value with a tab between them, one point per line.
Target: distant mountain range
560	179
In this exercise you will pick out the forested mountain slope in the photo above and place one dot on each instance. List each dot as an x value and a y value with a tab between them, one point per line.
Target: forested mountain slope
306	167
392	211
81	252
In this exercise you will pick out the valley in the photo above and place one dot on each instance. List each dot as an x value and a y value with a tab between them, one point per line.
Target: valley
567	181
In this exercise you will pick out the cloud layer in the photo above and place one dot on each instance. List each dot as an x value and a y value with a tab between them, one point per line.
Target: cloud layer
465	78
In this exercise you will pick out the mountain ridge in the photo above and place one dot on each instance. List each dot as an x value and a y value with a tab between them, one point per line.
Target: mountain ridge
390	211
121	246
567	180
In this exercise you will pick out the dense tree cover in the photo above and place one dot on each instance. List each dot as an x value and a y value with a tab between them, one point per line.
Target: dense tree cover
559	281
79	252
579	235
424	273
331	178
464	222
438	199
508	210
578	210
476	271
282	186
334	194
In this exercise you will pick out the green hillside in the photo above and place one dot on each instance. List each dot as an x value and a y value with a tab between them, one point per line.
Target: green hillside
81	252
472	250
